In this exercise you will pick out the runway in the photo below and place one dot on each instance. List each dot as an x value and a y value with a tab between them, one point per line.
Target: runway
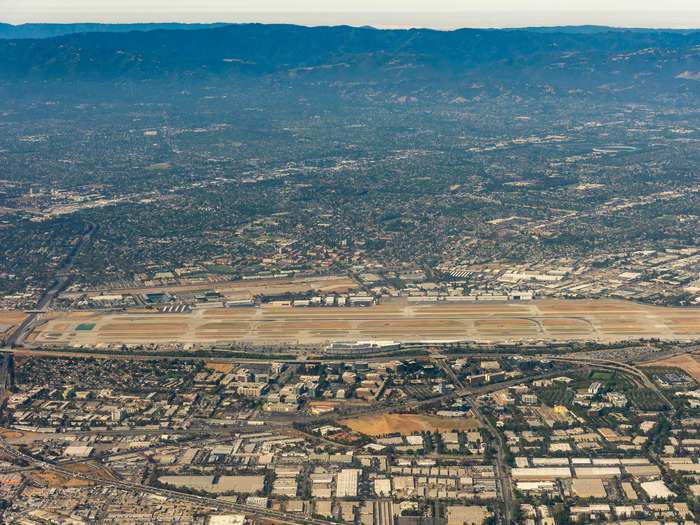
546	320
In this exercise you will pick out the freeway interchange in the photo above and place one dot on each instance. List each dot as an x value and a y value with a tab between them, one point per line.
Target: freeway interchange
283	422
218	504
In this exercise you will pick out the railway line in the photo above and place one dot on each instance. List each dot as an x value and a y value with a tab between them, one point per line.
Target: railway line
281	422
220	505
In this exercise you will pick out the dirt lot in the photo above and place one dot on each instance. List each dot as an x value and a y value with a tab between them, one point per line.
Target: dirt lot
143	326
686	324
81	315
11	317
304	325
53	479
407	424
224	368
564	325
507	325
225	325
9	321
684	361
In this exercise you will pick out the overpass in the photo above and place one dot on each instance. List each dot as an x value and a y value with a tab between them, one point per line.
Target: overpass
220	505
609	364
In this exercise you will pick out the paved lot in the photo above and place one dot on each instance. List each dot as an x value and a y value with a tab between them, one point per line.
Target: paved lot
552	320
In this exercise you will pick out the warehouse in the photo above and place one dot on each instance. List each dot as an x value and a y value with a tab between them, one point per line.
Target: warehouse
536	486
588	488
347	483
382	487
657	489
597	472
245	484
550	462
543	474
641	471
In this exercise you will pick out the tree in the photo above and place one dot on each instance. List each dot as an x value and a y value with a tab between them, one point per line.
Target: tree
561	514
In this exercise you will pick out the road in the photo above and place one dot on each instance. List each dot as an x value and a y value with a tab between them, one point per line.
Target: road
277	516
501	467
413	405
5	369
62	281
141	356
283	421
110	455
621	367
241	427
282	517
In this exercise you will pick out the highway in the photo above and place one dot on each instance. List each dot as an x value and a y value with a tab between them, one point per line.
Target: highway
501	467
5	369
109	455
278	422
282	517
62	281
141	356
621	367
220	505
241	427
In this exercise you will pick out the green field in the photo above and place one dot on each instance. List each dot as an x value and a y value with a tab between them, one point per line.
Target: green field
646	400
85	326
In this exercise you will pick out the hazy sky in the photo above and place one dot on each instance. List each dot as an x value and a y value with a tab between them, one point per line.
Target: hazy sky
436	13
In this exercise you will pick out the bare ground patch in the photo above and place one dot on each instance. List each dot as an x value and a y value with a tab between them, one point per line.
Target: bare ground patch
684	361
407	424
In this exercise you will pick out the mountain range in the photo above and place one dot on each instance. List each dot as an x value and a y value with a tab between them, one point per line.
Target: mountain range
33	30
562	59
